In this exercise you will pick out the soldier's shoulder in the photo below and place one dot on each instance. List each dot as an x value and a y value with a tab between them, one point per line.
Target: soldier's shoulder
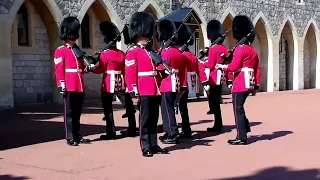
61	47
132	48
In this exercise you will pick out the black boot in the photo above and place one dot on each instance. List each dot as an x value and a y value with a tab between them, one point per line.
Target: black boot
111	129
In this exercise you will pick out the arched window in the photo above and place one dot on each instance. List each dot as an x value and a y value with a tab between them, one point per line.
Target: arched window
23	26
85	31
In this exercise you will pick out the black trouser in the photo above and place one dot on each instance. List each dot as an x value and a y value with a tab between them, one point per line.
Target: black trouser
107	99
73	102
242	123
214	101
127	103
168	115
148	120
183	107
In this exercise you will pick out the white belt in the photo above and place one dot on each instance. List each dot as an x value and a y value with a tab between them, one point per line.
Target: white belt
74	70
113	72
192	73
245	69
148	73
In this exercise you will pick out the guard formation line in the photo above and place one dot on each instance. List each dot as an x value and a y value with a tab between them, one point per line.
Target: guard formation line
157	79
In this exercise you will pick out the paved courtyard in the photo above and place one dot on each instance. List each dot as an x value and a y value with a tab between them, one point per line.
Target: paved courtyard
284	144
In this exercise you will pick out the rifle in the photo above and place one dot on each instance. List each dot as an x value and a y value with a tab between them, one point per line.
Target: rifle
185	46
81	54
229	56
156	58
95	58
204	52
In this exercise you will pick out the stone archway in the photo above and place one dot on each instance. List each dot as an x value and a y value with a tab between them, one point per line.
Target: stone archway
95	13
227	24
261	45
32	65
310	58
286	58
151	10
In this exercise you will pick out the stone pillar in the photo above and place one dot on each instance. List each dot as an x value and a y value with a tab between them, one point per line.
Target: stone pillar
6	96
318	64
273	66
271	51
298	66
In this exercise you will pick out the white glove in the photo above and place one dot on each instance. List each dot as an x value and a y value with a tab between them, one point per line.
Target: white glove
62	87
230	86
167	72
221	66
206	87
135	89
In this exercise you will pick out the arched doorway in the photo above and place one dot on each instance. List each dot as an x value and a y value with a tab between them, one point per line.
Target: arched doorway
260	44
91	41
286	58
310	58
227	24
151	10
33	36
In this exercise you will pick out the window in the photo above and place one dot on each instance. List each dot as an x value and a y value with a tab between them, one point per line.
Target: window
85	31
23	26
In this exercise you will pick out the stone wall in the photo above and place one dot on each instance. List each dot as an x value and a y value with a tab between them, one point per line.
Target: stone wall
32	66
93	81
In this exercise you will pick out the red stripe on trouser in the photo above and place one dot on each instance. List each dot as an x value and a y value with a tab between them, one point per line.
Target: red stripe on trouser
165	102
140	123
65	116
235	114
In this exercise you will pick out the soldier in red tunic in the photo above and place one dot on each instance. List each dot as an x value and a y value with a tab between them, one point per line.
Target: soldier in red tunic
111	65
216	76
246	68
172	84
185	38
141	74
69	76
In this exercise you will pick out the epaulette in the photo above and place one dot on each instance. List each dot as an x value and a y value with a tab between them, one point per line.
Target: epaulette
60	47
132	48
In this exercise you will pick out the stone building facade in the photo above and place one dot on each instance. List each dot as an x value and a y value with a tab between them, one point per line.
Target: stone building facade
287	39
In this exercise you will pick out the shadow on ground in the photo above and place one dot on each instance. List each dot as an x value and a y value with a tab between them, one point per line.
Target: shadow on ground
199	139
33	124
9	177
280	173
274	135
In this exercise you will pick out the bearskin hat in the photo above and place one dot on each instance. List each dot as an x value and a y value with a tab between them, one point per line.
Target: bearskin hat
184	34
215	30
141	25
69	29
241	27
165	30
109	31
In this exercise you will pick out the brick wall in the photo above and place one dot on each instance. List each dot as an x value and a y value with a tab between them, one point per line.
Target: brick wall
32	73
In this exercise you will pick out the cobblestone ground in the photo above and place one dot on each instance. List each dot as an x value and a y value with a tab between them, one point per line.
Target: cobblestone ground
284	145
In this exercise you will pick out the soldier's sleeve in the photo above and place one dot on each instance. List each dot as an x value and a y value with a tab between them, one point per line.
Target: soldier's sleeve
257	73
212	58
101	65
131	76
59	64
236	61
201	72
183	75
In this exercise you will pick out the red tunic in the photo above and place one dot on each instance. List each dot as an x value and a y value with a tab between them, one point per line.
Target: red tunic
215	76
111	64
194	68
175	60
246	67
141	74
69	69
